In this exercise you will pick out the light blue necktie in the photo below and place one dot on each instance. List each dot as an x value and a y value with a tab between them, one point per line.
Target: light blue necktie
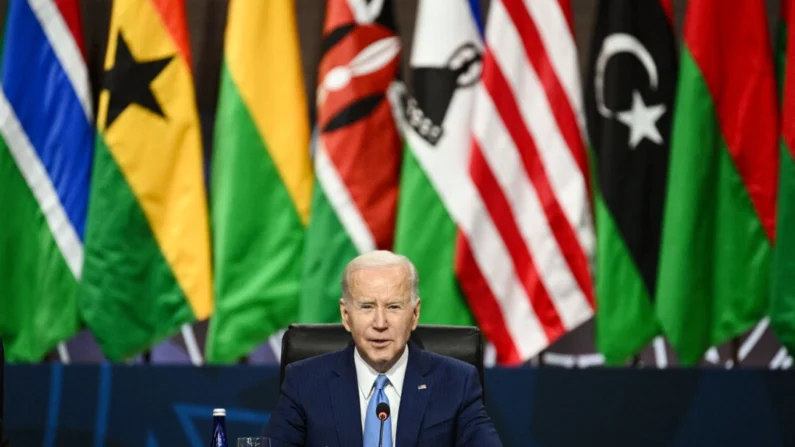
372	425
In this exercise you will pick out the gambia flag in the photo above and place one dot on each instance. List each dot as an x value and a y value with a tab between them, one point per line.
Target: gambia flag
435	187
261	179
782	304
147	250
719	218
358	153
45	167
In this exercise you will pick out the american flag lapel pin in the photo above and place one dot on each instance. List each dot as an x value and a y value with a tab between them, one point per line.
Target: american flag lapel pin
422	387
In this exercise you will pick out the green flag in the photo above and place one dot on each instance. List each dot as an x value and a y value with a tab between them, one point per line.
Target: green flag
719	216
261	182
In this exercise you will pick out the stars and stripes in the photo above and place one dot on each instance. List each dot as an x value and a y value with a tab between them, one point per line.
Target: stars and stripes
525	262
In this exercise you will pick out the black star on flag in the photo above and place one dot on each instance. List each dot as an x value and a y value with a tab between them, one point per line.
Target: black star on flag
629	106
128	82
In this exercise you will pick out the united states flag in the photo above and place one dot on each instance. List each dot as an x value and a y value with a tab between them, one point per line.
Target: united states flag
525	260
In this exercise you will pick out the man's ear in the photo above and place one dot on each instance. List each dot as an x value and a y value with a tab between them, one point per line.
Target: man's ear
344	315
416	313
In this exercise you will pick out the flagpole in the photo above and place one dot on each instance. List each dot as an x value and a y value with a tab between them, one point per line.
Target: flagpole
735	346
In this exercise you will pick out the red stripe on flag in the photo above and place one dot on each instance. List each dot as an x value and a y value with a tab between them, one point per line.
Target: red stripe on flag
172	13
366	154
483	304
788	108
338	13
505	103
505	221
70	11
565	6
784	13
558	101
668	7
730	43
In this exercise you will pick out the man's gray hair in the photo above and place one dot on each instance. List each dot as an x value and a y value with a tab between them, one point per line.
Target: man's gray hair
381	258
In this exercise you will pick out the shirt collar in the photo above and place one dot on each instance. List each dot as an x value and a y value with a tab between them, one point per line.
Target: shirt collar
366	375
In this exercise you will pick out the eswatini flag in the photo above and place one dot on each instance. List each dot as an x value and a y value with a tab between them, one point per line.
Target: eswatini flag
782	301
719	218
45	167
147	263
357	159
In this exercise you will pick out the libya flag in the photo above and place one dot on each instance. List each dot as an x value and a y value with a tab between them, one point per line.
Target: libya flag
261	179
445	68
147	248
358	153
719	218
629	107
782	304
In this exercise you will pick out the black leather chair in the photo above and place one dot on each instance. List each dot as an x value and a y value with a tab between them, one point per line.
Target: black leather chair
464	343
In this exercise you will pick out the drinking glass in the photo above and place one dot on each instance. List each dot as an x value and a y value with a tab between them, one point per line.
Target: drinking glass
256	441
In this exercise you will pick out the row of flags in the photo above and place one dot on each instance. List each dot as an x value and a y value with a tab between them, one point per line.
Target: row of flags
647	198
686	144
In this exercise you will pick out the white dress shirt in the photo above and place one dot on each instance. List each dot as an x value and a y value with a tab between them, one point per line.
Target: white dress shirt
366	375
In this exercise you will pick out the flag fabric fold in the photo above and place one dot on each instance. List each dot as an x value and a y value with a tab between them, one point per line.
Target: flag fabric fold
719	218
261	179
147	252
629	104
45	166
782	301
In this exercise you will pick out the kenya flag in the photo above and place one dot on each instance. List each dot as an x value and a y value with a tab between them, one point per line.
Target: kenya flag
357	160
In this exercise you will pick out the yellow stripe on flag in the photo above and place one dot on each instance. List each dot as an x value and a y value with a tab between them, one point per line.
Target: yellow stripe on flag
262	54
161	156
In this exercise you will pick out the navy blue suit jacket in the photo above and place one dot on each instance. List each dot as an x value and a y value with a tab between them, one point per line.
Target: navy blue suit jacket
319	404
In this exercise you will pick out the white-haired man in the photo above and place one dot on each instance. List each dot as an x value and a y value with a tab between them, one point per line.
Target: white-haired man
332	399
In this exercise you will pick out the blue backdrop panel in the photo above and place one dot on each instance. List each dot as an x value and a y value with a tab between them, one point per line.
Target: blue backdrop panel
159	406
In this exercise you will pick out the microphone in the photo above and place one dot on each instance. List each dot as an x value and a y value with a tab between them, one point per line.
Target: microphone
382	411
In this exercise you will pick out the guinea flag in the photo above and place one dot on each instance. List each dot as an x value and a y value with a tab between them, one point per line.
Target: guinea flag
782	304
629	105
714	277
261	179
147	248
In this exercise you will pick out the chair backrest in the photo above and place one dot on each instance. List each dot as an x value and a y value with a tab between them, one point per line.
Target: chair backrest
464	343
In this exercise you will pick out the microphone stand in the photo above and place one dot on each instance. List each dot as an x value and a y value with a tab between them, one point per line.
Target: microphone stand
381	434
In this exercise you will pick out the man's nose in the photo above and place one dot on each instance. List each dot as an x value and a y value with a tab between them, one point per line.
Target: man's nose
380	319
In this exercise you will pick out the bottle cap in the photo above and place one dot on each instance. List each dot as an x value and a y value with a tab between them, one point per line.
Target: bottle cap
219	412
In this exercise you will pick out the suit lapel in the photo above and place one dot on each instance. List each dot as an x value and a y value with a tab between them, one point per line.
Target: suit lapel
345	401
417	388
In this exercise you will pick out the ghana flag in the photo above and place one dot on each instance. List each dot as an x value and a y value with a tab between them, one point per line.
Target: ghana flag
147	248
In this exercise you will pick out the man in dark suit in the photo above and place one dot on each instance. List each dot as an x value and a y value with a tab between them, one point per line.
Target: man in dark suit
330	400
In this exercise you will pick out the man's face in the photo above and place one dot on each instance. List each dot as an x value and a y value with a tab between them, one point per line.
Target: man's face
379	314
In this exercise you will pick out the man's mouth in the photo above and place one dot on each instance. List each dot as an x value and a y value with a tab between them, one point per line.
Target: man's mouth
379	342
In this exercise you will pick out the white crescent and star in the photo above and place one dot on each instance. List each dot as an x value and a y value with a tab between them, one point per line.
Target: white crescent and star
640	118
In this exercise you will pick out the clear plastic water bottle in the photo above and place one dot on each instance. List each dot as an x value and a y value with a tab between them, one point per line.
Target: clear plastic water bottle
219	428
